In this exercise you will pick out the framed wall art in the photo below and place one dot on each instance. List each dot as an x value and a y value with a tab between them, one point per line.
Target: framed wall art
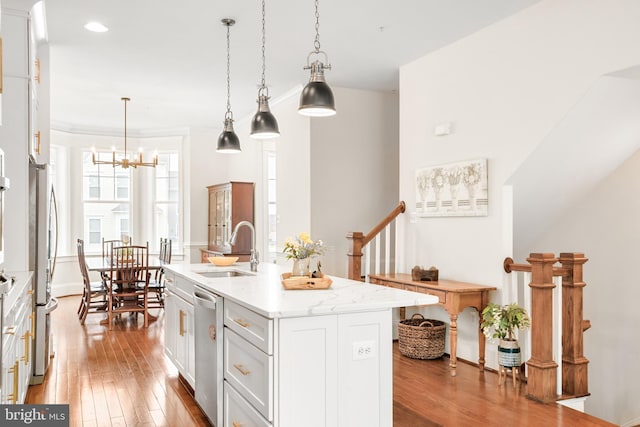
453	189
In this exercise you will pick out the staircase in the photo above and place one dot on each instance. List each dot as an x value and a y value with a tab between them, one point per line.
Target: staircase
553	295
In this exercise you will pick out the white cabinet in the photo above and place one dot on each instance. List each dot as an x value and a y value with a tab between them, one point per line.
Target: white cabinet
38	97
19	121
317	371
179	326
17	334
329	369
250	371
238	412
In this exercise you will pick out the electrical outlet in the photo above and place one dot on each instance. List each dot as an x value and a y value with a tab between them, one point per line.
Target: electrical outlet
364	350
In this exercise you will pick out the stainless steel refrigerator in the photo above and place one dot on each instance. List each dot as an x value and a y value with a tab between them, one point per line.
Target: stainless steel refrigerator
42	256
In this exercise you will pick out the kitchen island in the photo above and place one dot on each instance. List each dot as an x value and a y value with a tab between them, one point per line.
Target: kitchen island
288	357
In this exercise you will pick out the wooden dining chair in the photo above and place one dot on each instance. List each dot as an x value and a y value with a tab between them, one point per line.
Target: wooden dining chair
94	295
129	281
108	245
156	283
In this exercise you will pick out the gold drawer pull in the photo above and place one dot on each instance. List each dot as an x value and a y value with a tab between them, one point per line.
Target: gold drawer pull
30	292
242	370
182	314
15	370
37	137
37	76
242	323
236	424
168	279
10	330
27	345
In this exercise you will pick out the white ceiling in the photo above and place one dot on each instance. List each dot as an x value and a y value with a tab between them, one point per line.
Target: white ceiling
169	57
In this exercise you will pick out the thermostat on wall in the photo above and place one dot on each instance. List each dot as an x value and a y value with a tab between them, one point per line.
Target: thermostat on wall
442	129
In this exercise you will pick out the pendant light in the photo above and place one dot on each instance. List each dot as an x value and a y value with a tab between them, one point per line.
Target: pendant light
228	141
264	124
316	98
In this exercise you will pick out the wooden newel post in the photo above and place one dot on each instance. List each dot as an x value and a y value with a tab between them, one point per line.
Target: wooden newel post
574	364
355	255
543	370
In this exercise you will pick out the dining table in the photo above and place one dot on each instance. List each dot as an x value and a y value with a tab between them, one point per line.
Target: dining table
103	265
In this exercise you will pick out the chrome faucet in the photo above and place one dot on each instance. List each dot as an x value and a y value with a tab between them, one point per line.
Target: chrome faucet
254	259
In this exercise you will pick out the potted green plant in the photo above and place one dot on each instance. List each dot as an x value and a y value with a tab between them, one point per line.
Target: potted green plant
501	321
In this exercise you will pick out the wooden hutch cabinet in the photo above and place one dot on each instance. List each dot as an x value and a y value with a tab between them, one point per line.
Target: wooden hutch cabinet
229	203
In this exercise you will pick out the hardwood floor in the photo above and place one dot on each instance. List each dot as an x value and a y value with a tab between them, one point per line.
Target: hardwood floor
121	378
113	378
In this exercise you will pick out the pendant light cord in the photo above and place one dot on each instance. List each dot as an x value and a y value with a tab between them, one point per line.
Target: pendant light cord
263	85
228	114
316	42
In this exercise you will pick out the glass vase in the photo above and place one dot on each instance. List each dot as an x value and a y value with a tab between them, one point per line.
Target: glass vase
300	267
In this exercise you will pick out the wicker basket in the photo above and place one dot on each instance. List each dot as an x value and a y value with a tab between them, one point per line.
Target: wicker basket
421	338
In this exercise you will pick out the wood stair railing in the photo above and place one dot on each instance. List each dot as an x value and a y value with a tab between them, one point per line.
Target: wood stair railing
360	240
542	368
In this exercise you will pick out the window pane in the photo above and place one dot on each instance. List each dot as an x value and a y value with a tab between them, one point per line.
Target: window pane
272	217
105	220
166	211
167	221
167	181
122	181
94	231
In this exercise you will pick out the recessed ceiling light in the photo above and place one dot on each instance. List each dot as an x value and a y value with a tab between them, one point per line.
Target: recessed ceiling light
96	27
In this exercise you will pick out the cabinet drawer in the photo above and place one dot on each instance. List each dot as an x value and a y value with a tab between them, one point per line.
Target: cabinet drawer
256	329
442	296
391	284
179	286
238	412
250	371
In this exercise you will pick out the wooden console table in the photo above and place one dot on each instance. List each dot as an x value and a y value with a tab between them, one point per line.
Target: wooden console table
454	297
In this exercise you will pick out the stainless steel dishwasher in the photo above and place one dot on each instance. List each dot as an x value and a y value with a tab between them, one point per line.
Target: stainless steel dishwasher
209	356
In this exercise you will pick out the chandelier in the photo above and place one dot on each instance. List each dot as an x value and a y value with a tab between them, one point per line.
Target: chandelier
125	162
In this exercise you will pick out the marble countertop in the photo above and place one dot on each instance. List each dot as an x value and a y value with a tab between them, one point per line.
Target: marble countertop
263	292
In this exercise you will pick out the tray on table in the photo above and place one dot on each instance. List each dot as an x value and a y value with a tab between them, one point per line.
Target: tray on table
290	282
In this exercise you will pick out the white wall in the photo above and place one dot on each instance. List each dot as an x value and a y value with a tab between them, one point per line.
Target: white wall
293	176
604	225
504	88
354	170
204	167
334	175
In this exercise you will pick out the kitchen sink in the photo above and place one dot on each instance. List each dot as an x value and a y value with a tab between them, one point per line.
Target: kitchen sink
227	273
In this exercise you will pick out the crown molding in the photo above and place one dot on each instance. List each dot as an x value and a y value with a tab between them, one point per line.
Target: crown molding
139	133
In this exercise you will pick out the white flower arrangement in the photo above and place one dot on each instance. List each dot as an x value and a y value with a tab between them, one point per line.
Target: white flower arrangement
302	247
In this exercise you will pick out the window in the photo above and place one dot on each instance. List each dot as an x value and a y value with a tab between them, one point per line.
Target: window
271	206
166	206
95	233
124	228
106	201
104	182
122	189
100	201
94	187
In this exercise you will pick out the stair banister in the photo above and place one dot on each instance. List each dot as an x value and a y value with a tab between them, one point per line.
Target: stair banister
542	368
359	240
